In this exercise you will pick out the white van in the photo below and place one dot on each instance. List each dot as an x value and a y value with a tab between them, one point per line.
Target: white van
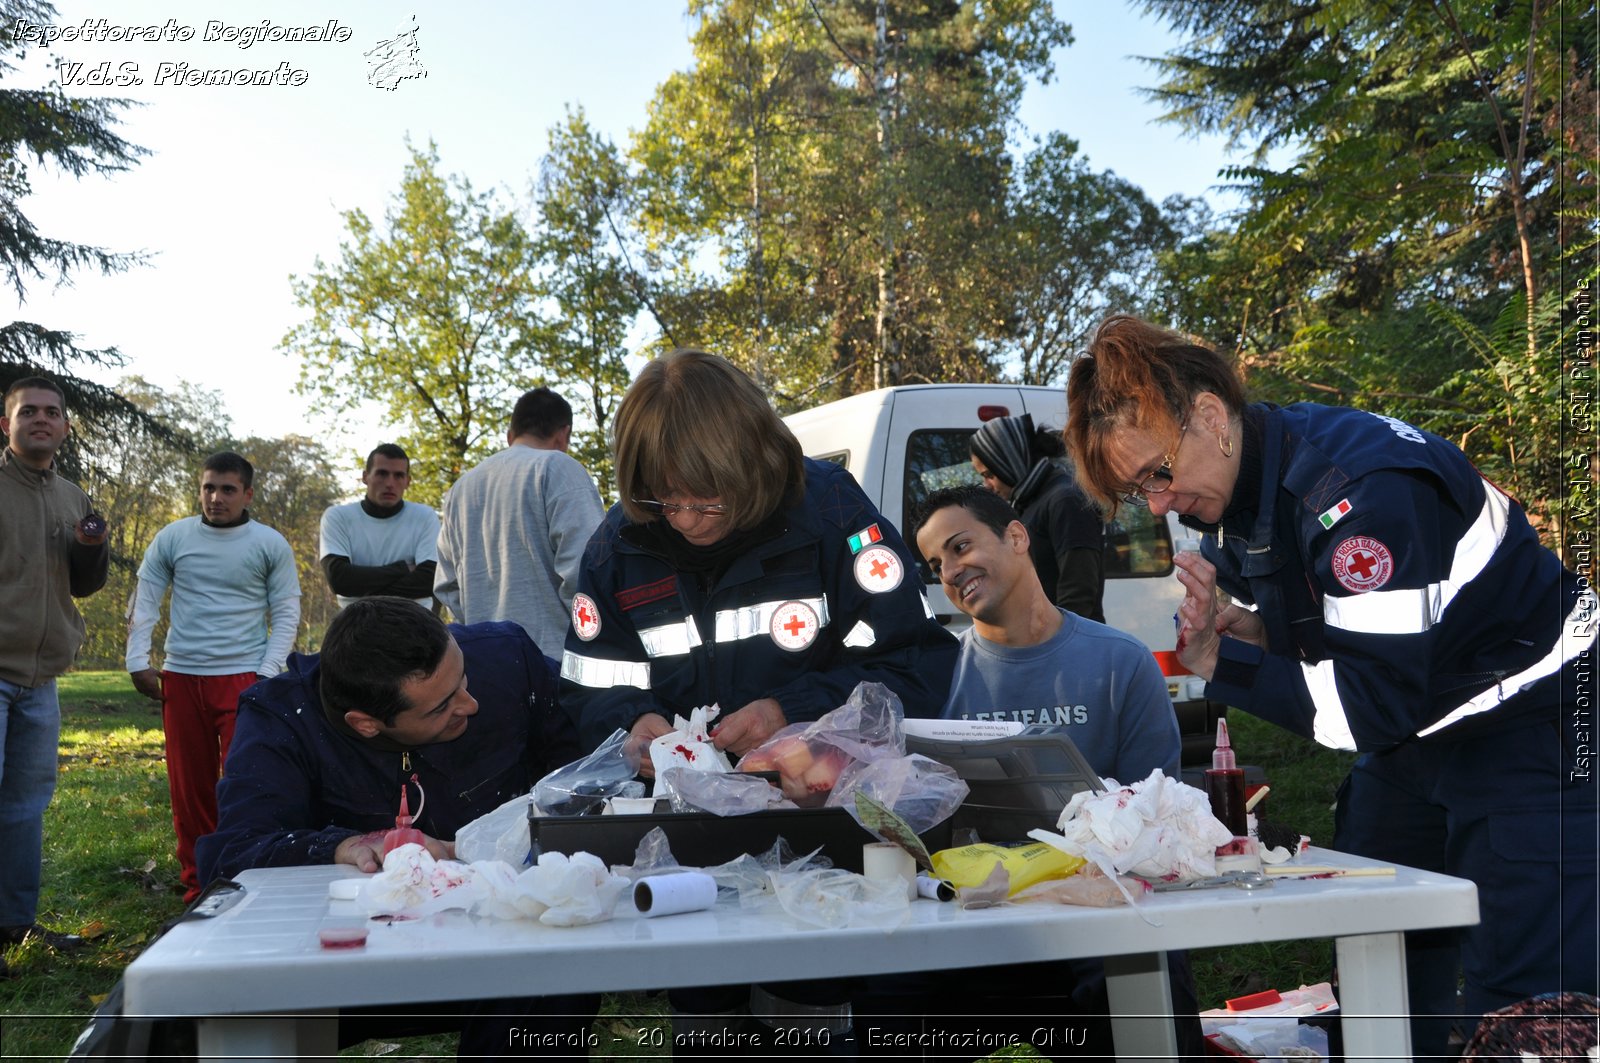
903	443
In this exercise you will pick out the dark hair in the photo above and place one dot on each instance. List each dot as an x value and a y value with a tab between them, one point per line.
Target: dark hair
40	383
1011	446
694	422
1047	443
990	509
387	450
226	461
540	412
372	647
1136	375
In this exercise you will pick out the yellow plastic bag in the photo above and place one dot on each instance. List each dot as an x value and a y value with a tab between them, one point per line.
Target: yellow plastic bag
1027	864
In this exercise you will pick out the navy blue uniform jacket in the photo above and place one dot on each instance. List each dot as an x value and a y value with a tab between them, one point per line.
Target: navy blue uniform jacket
801	618
1403	594
295	785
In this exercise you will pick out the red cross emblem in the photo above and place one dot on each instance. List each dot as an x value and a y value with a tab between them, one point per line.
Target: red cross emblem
585	617
1362	564
878	569
794	625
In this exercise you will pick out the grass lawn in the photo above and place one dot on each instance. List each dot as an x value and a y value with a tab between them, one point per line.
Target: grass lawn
110	875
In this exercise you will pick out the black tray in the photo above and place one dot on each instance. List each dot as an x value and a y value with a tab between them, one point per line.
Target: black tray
700	839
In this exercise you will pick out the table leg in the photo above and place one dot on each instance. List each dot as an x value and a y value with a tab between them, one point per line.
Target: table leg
225	1038
1141	1006
1374	1010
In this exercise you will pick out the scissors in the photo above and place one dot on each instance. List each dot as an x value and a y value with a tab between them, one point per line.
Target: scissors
1245	880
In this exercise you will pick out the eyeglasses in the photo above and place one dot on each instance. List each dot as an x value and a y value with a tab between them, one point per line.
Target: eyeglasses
1160	478
667	509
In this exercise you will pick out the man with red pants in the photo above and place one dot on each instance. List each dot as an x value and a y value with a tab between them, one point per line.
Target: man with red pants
235	609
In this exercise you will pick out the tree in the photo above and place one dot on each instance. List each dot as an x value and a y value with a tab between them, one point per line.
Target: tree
844	164
430	315
1427	164
584	208
77	136
1079	245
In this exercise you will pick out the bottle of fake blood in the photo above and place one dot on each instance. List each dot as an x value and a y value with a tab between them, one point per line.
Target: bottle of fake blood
1225	785
404	833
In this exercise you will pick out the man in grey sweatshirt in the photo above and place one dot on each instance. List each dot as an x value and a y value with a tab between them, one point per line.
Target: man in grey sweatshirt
514	527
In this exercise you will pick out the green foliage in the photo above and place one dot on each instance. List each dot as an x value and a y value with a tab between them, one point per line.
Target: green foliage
849	187
1080	245
1413	203
427	314
584	203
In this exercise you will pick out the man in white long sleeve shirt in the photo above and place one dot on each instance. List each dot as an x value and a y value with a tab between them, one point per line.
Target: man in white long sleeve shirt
514	527
228	575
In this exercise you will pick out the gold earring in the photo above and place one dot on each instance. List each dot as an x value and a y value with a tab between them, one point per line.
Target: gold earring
1225	443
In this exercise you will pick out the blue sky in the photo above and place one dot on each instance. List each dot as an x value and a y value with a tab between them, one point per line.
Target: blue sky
246	184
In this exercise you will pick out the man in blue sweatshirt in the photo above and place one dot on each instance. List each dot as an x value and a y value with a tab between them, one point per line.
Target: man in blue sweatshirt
1028	661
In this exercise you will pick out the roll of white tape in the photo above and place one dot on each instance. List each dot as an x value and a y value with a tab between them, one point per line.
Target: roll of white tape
682	891
885	862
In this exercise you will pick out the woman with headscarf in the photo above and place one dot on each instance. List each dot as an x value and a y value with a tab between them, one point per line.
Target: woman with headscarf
1065	530
1402	607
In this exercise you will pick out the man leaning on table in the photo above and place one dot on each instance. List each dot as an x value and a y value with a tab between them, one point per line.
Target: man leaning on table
464	718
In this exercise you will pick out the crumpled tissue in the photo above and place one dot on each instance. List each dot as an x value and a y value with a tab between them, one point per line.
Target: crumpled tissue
569	891
412	883
1156	828
558	891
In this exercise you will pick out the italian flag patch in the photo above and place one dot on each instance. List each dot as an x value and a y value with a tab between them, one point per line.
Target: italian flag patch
1332	516
865	538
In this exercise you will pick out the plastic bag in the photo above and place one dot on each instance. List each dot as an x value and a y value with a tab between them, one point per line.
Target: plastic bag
498	835
858	746
582	787
731	794
918	789
810	889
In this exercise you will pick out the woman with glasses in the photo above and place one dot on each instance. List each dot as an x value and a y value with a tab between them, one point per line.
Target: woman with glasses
739	573
1066	534
1396	603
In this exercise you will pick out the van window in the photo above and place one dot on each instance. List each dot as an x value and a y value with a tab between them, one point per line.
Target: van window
936	458
1137	542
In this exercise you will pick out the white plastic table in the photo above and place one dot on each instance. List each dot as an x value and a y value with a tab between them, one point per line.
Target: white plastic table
262	986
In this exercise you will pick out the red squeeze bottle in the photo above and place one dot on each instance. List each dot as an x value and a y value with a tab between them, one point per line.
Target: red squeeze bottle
1225	785
404	833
